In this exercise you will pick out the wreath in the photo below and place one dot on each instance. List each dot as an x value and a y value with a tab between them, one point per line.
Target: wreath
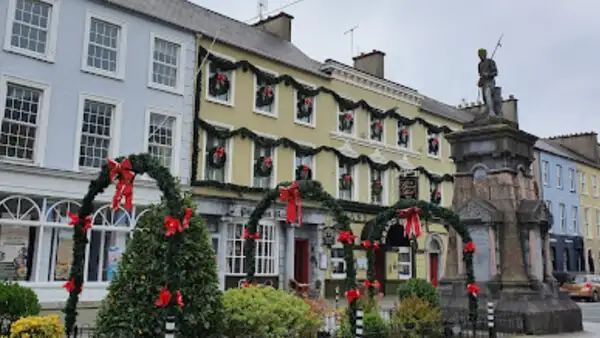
376	187
304	107
263	166
218	84
346	121
346	182
264	96
216	157
434	145
376	129
303	172
436	196
403	137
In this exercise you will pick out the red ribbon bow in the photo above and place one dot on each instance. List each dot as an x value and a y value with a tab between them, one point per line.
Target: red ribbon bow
247	234
347	178
375	245
305	168
413	223
164	297
219	153
438	193
404	131
352	295
221	77
87	221
473	289
124	189
187	217
179	299
291	195
379	126
268	162
346	237
172	226
307	101
348	117
435	140
470	247
268	91
366	244
70	286
374	284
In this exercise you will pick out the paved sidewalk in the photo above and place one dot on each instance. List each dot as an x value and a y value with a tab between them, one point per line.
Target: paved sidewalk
591	330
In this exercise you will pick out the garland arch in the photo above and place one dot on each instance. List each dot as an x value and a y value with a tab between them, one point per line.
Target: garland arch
123	171
411	211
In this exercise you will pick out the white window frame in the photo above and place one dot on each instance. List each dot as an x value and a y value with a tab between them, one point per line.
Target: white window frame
313	123
575	218
546	173
230	238
559	183
404	250
121	52
383	134
384	184
177	133
572	183
562	208
409	128
313	166
597	223
586	222
441	187
115	139
43	113
228	148
594	185
337	123
181	62
438	135
337	246
275	248
583	182
355	186
275	113
207	97
274	181
50	55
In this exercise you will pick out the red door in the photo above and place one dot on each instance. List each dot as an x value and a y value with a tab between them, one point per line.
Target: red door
380	268
433	269
301	260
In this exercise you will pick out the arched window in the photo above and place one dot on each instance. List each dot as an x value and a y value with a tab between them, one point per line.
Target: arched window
58	241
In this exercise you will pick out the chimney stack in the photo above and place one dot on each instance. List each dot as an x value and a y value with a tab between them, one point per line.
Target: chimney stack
371	63
279	25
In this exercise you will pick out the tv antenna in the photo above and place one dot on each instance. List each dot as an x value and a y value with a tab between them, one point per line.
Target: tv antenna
262	8
351	32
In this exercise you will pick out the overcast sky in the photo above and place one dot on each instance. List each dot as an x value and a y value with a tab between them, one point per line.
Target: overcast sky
549	57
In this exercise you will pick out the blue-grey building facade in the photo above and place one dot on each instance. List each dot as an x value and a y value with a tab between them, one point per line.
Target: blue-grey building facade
559	184
82	81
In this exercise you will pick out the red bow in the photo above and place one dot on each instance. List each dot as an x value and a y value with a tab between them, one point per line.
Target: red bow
246	235
123	170
172	226
413	223
268	162
305	168
187	217
435	140
247	285
438	193
377	182
404	131
346	237
374	284
291	195
219	153
221	77
347	178
307	101
473	289
87	221
379	126
70	286
124	189
268	91
470	247
348	117
164	298
352	295
179	299
375	245
366	244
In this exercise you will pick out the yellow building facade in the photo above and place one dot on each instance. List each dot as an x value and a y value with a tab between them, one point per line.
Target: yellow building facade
253	132
589	197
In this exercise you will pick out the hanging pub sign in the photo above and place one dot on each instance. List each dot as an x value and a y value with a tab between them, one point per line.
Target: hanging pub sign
409	188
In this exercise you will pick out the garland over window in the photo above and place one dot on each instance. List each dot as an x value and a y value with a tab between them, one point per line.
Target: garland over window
304	106
267	79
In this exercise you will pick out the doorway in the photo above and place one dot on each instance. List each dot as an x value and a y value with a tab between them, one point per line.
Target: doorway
301	260
434	254
434	262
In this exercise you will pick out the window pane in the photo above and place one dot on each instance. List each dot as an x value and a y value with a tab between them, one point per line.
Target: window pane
19	125
30	25
16	252
95	133
165	62
160	138
103	45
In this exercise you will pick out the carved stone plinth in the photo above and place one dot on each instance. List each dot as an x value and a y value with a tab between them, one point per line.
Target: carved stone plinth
495	197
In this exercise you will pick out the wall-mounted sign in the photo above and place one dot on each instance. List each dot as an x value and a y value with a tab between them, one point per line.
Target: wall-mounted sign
329	236
408	188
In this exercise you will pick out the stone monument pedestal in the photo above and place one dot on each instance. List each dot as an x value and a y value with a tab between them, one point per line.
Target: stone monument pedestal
496	197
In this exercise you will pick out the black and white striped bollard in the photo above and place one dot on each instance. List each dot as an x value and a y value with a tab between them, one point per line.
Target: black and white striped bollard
170	327
337	297
359	323
491	319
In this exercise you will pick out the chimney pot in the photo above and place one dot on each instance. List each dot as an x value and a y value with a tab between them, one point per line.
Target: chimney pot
371	63
279	25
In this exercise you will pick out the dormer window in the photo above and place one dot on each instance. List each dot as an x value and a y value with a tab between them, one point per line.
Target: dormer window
433	143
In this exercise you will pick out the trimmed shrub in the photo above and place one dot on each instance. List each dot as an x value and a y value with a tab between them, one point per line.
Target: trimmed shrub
419	288
416	317
38	327
15	302
266	312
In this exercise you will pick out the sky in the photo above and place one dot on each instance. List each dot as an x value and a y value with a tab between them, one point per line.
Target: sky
549	59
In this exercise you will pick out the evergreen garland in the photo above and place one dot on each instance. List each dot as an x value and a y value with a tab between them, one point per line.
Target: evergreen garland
344	104
303	150
140	164
374	228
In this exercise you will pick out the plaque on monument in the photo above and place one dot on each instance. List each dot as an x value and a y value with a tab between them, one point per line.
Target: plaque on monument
409	188
482	260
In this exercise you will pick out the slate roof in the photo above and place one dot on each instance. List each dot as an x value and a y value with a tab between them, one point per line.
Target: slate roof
554	147
197	19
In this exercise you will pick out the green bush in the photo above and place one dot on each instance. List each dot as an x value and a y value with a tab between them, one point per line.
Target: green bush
50	326
15	302
130	303
415	317
419	288
266	312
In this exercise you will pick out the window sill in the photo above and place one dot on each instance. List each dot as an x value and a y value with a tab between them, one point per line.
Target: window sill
305	124
217	101
19	162
404	277
166	89
103	73
264	113
341	136
338	276
25	52
434	157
